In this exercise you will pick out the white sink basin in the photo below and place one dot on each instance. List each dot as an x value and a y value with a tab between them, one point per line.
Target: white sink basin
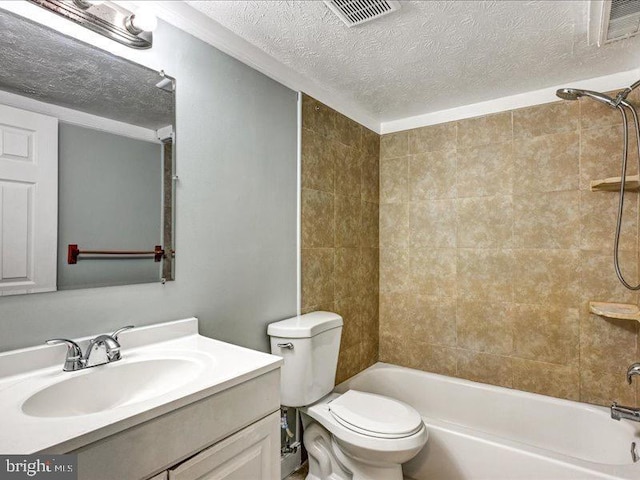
110	386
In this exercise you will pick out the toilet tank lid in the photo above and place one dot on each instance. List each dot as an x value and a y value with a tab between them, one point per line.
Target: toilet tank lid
305	326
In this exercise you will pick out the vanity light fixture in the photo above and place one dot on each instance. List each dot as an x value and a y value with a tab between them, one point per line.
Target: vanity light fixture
133	29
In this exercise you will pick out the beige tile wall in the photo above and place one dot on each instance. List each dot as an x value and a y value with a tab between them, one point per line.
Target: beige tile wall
340	229
492	245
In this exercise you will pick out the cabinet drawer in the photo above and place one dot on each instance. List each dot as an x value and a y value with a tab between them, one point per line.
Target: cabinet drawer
251	454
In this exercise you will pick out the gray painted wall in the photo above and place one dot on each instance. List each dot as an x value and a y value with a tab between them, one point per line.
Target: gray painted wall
236	213
110	198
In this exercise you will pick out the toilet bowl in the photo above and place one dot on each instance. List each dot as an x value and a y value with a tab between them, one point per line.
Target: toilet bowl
370	436
350	436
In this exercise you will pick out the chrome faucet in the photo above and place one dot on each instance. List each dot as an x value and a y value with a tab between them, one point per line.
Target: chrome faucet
619	412
632	371
105	347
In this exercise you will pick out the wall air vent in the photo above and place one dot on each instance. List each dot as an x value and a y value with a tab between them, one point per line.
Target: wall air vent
355	12
611	20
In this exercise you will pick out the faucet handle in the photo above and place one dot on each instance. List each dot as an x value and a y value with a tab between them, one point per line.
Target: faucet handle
74	349
73	360
115	334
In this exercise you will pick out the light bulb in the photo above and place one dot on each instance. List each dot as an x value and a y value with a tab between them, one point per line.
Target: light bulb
143	20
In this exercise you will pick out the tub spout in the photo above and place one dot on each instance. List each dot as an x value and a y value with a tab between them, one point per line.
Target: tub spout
619	412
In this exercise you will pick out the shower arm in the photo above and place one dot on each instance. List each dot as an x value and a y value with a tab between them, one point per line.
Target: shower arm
623	175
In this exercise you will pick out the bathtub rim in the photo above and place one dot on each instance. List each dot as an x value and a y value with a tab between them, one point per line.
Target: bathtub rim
343	386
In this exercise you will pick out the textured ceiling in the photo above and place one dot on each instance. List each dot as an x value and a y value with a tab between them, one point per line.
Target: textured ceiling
431	55
45	65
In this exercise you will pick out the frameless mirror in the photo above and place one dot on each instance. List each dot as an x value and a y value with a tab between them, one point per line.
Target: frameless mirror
86	164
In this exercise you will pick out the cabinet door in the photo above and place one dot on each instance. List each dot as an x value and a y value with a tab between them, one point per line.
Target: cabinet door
251	454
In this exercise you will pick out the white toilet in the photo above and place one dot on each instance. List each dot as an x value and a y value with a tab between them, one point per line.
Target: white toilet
356	435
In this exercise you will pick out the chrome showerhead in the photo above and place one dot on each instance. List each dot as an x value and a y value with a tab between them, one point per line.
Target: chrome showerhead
575	93
569	93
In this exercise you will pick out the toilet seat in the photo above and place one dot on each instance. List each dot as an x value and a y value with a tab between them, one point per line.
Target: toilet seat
375	415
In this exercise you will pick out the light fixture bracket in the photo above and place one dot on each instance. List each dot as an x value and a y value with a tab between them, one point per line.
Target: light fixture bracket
128	24
107	20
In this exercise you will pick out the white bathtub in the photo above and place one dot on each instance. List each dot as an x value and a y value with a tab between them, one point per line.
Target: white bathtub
482	432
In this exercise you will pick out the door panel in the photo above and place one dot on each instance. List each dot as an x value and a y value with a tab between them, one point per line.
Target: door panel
16	206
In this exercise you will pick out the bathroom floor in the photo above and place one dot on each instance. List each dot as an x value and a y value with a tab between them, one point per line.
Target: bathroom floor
299	474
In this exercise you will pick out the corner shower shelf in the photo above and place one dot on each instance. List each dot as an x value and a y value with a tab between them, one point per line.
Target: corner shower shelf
612	184
620	311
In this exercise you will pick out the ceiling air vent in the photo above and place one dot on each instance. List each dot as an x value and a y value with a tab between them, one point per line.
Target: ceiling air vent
612	20
355	12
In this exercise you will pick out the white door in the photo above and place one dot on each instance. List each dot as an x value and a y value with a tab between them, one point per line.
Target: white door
28	201
251	454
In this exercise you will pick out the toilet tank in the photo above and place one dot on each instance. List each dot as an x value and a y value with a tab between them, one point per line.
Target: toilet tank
309	345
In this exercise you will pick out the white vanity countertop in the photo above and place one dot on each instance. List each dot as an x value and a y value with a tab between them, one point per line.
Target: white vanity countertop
216	366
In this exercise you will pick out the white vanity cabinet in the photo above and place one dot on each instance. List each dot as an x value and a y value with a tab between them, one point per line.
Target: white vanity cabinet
231	435
176	406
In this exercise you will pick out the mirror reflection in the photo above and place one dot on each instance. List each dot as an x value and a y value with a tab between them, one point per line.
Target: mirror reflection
86	165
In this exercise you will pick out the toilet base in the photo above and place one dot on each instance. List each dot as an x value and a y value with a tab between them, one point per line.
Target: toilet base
327	461
323	465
